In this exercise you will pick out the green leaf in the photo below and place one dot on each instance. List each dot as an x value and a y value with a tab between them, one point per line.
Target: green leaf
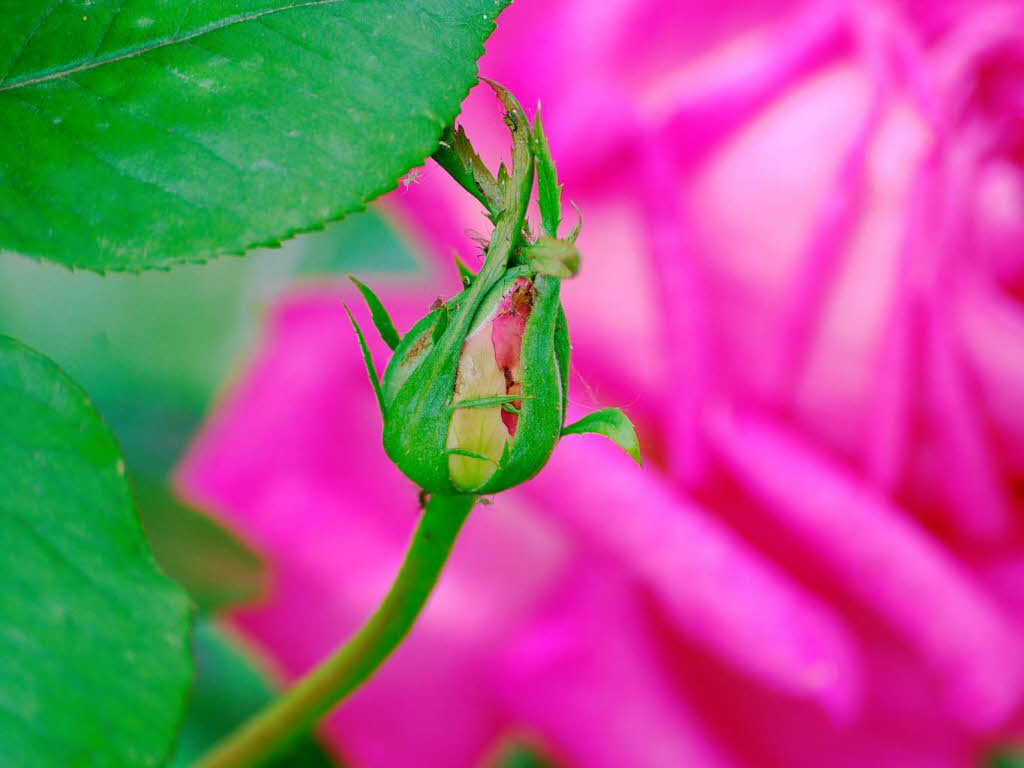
549	191
144	134
94	655
371	372
229	689
381	318
613	424
217	568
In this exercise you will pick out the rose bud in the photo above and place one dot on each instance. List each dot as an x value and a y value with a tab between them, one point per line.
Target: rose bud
503	412
474	397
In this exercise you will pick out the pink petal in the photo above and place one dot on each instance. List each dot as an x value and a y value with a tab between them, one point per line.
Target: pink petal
713	586
991	330
683	299
585	677
903	724
823	256
884	559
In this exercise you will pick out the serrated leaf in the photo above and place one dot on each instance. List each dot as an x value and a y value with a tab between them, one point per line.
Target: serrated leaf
229	689
143	134
381	318
218	569
613	424
94	653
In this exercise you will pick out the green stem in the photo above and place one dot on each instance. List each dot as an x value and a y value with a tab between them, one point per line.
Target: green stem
295	712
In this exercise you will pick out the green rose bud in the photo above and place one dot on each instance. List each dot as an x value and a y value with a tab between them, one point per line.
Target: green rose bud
474	398
489	417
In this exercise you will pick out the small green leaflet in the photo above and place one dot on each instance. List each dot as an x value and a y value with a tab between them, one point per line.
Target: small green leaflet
145	134
94	655
613	424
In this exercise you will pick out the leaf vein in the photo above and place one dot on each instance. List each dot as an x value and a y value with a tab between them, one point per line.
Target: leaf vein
28	38
213	27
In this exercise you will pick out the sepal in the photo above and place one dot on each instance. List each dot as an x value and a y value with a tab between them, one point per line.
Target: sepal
368	362
549	191
381	318
613	424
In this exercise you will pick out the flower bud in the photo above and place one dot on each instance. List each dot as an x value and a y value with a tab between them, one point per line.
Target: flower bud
504	390
474	397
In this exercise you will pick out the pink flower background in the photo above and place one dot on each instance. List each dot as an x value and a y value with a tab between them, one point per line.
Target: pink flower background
803	262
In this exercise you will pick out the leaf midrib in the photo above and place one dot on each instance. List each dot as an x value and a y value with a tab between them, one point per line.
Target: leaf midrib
24	82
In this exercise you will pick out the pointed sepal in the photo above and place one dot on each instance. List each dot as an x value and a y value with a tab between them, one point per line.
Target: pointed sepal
368	361
571	239
456	155
549	191
516	189
381	318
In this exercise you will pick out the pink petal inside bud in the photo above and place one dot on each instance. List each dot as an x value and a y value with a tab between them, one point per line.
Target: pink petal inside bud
507	336
488	366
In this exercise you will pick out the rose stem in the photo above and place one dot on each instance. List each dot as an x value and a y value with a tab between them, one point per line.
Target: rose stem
267	733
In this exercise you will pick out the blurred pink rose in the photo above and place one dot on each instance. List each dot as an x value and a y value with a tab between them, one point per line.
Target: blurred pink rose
803	261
